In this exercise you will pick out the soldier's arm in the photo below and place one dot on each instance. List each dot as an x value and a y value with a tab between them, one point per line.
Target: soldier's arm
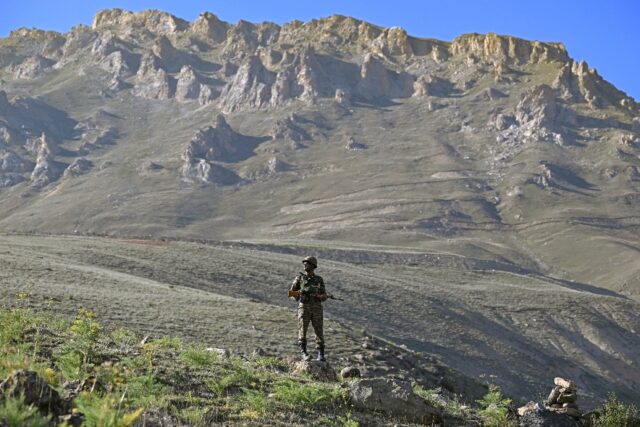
295	286
322	291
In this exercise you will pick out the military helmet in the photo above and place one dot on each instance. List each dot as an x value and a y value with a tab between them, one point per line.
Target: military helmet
311	260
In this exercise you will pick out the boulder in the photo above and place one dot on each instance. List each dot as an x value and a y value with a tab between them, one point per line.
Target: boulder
289	129
352	145
319	371
547	418
350	372
78	167
428	85
530	407
567	384
392	397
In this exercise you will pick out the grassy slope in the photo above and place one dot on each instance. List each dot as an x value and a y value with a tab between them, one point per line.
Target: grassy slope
522	329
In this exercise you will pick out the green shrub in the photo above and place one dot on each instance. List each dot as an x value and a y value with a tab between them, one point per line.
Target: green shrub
234	374
495	408
13	323
254	404
69	363
198	357
124	338
15	413
294	393
105	411
616	414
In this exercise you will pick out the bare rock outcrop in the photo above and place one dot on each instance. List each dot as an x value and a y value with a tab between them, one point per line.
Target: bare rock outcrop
249	88
392	42
12	168
538	108
188	86
217	142
11	162
319	371
169	57
492	47
33	67
428	85
207	148
155	21
577	82
392	397
46	169
77	39
78	167
152	81
303	79
209	27
290	129
244	38
112	55
538	117
377	82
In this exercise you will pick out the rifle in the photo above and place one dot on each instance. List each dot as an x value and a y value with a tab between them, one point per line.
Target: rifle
295	294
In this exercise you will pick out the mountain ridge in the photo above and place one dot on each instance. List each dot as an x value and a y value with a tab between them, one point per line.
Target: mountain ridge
493	152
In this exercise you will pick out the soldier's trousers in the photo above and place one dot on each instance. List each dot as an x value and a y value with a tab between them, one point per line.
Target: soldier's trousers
310	313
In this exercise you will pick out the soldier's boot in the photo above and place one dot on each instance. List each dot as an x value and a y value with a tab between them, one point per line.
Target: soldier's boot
321	357
303	351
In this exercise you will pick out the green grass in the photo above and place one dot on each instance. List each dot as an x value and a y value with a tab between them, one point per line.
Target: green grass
198	357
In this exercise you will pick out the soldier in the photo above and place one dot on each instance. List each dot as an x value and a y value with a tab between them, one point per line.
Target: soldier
313	293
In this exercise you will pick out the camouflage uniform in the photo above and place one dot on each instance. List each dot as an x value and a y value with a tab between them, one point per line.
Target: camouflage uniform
309	307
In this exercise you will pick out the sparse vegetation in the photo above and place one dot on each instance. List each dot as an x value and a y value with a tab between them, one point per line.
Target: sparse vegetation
614	413
495	409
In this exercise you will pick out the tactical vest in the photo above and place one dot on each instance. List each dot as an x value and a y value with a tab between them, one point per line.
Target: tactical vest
311	285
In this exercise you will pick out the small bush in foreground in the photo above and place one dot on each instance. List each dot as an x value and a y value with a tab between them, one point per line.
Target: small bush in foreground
495	408
616	414
15	413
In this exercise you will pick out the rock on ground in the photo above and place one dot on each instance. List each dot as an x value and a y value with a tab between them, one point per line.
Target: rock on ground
320	371
393	397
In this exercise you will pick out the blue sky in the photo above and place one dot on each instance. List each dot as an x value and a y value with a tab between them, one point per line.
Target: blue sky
605	34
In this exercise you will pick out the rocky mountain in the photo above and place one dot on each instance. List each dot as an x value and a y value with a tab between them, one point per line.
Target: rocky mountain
489	151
